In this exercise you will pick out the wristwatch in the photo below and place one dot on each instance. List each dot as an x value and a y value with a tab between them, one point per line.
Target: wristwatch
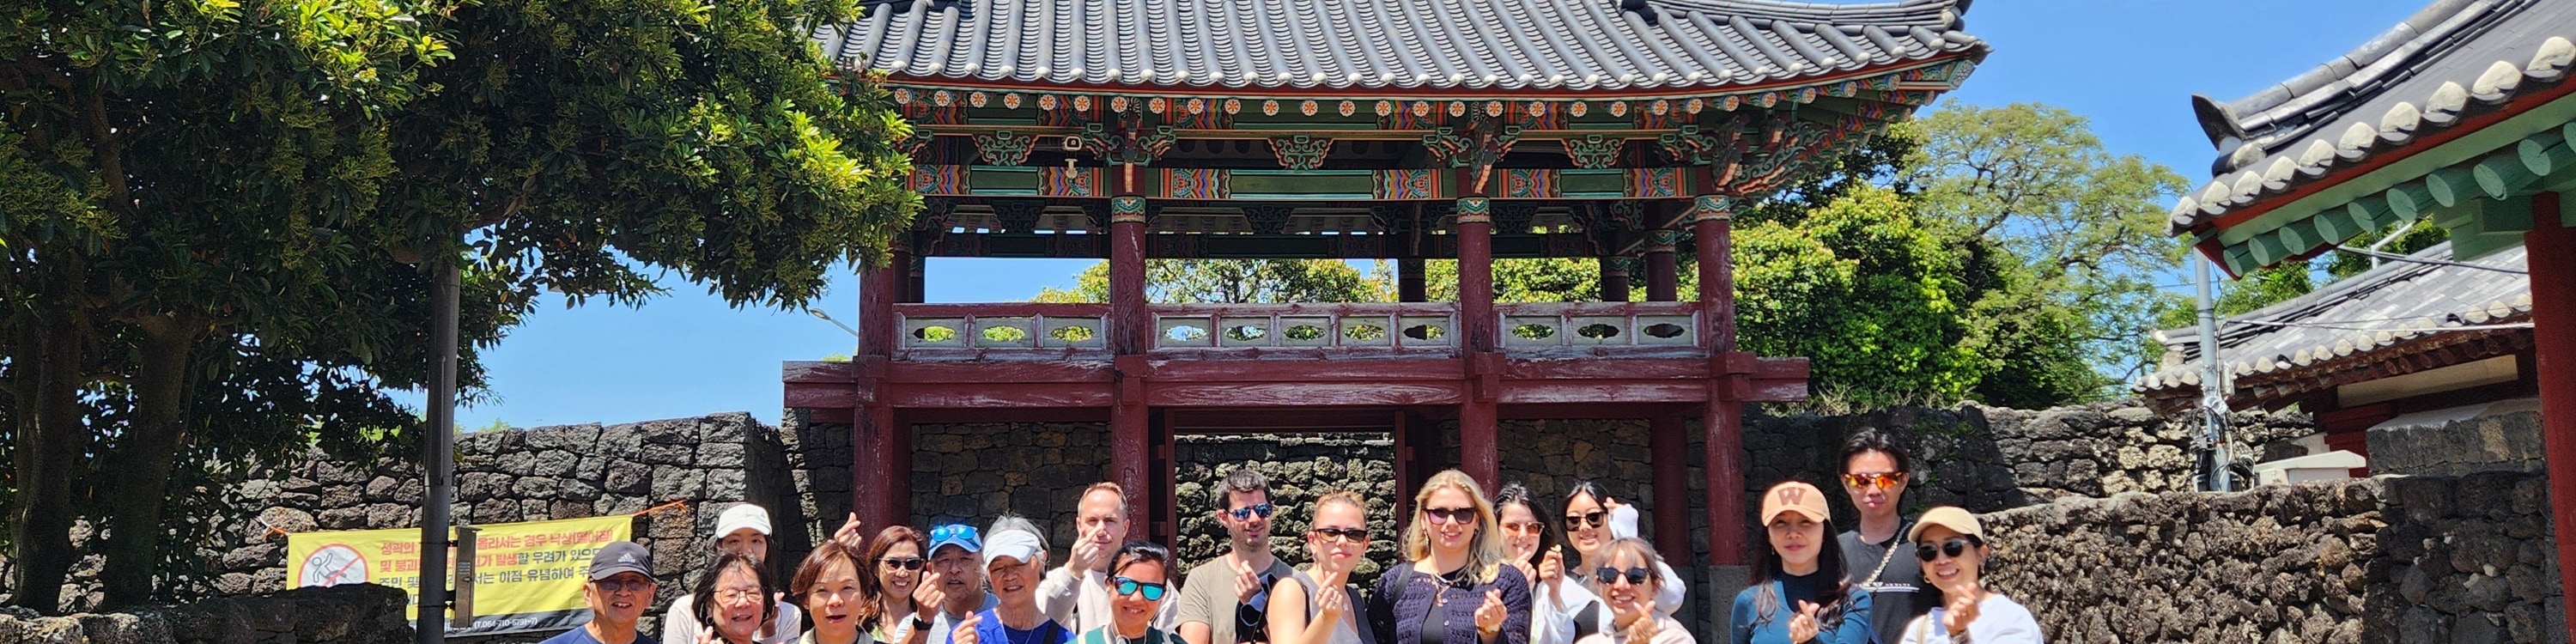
920	624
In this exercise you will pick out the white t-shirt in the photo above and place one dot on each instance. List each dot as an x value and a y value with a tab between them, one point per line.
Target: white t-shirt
2000	620
1667	631
680	623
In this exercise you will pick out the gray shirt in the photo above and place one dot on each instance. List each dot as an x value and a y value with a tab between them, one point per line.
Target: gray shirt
1897	593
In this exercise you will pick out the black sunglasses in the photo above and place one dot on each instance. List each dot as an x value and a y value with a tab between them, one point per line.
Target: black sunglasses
1581	521
1450	515
903	563
1245	513
1349	535
1636	576
1953	547
1152	592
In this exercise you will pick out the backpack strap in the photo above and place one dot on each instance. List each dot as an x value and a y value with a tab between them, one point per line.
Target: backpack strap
1588	620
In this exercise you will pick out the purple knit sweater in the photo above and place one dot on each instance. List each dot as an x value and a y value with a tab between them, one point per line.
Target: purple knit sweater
1396	613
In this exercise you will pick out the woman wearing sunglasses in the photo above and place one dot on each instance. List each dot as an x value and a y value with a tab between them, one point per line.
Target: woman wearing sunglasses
1952	546
1799	592
1560	612
1139	577
895	563
1317	604
1593	519
1629	583
1454	587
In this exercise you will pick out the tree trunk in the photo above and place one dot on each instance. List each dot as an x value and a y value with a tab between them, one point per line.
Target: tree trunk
139	482
50	435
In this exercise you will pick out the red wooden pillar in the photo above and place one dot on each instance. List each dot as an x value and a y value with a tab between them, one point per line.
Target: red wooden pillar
1614	278
1479	448
1131	332
881	487
1723	418
1672	488
1663	279
2552	261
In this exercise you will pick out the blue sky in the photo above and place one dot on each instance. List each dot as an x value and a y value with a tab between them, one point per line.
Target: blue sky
2129	65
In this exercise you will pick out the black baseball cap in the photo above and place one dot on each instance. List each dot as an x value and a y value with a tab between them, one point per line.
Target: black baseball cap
620	556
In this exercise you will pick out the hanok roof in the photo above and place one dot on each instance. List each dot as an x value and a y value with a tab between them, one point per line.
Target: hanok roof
1415	46
2357	328
2452	62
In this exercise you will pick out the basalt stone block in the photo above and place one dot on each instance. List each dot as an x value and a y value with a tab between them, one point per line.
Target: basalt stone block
629	478
667	454
518	463
679	431
716	455
564	437
555	463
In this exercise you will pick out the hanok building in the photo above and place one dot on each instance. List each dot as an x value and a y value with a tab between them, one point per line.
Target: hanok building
2462	115
1622	130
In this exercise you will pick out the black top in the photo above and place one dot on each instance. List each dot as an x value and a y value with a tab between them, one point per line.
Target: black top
1898	595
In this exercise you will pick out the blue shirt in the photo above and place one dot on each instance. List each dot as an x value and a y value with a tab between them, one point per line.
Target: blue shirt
1749	627
991	631
581	635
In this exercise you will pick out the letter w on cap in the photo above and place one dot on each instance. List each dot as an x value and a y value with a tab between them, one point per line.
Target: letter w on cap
1793	496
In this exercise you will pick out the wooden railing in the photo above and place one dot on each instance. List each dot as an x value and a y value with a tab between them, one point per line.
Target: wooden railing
1026	331
1599	324
1385	328
936	331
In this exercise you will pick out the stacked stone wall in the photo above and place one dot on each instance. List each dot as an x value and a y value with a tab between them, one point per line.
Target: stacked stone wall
358	614
2505	438
2388	559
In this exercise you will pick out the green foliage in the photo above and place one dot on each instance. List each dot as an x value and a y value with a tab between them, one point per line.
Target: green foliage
2065	241
217	215
1867	292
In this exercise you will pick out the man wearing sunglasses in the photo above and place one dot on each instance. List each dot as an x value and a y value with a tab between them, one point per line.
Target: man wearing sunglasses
620	588
1225	601
1879	561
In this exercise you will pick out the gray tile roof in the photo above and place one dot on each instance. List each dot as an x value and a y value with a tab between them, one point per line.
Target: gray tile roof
1493	45
2395	303
2453	60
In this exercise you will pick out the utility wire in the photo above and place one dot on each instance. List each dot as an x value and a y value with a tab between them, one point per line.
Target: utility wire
2365	252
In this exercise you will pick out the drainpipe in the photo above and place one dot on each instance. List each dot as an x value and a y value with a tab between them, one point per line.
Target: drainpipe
2213	388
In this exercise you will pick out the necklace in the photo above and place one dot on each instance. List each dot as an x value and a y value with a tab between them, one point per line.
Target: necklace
1447	581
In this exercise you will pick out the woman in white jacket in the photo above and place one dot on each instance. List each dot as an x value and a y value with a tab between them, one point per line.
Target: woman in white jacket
1593	519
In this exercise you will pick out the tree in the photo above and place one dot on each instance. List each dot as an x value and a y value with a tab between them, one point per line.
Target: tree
1867	292
2066	241
1235	281
230	202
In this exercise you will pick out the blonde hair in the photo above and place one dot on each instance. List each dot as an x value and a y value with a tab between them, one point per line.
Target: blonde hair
1315	552
1113	489
1484	551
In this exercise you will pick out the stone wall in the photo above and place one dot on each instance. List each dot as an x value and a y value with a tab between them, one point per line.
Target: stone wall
1300	468
684	470
2387	559
359	614
2100	450
2501	437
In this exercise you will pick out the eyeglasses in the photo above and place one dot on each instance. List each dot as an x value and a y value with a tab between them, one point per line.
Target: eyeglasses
629	585
1885	481
1152	592
731	595
1636	576
1246	513
1581	521
1346	535
1952	547
903	563
1524	527
1450	515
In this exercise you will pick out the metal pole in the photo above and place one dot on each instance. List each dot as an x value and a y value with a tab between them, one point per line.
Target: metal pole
437	460
2213	383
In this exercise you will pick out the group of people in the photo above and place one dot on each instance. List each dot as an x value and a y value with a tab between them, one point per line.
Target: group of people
1477	569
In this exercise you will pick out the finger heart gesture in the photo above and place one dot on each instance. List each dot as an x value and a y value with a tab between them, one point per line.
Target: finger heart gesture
1802	627
965	632
1489	616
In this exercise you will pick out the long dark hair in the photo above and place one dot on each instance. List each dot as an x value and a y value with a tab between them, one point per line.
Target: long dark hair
1599	496
869	569
1517	494
705	597
1829	567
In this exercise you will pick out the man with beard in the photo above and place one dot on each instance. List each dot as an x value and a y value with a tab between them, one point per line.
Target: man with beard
1224	601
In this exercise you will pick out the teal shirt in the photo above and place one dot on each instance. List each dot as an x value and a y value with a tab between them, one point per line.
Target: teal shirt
1103	635
1749	628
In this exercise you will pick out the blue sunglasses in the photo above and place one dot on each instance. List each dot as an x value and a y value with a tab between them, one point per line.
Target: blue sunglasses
1152	592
